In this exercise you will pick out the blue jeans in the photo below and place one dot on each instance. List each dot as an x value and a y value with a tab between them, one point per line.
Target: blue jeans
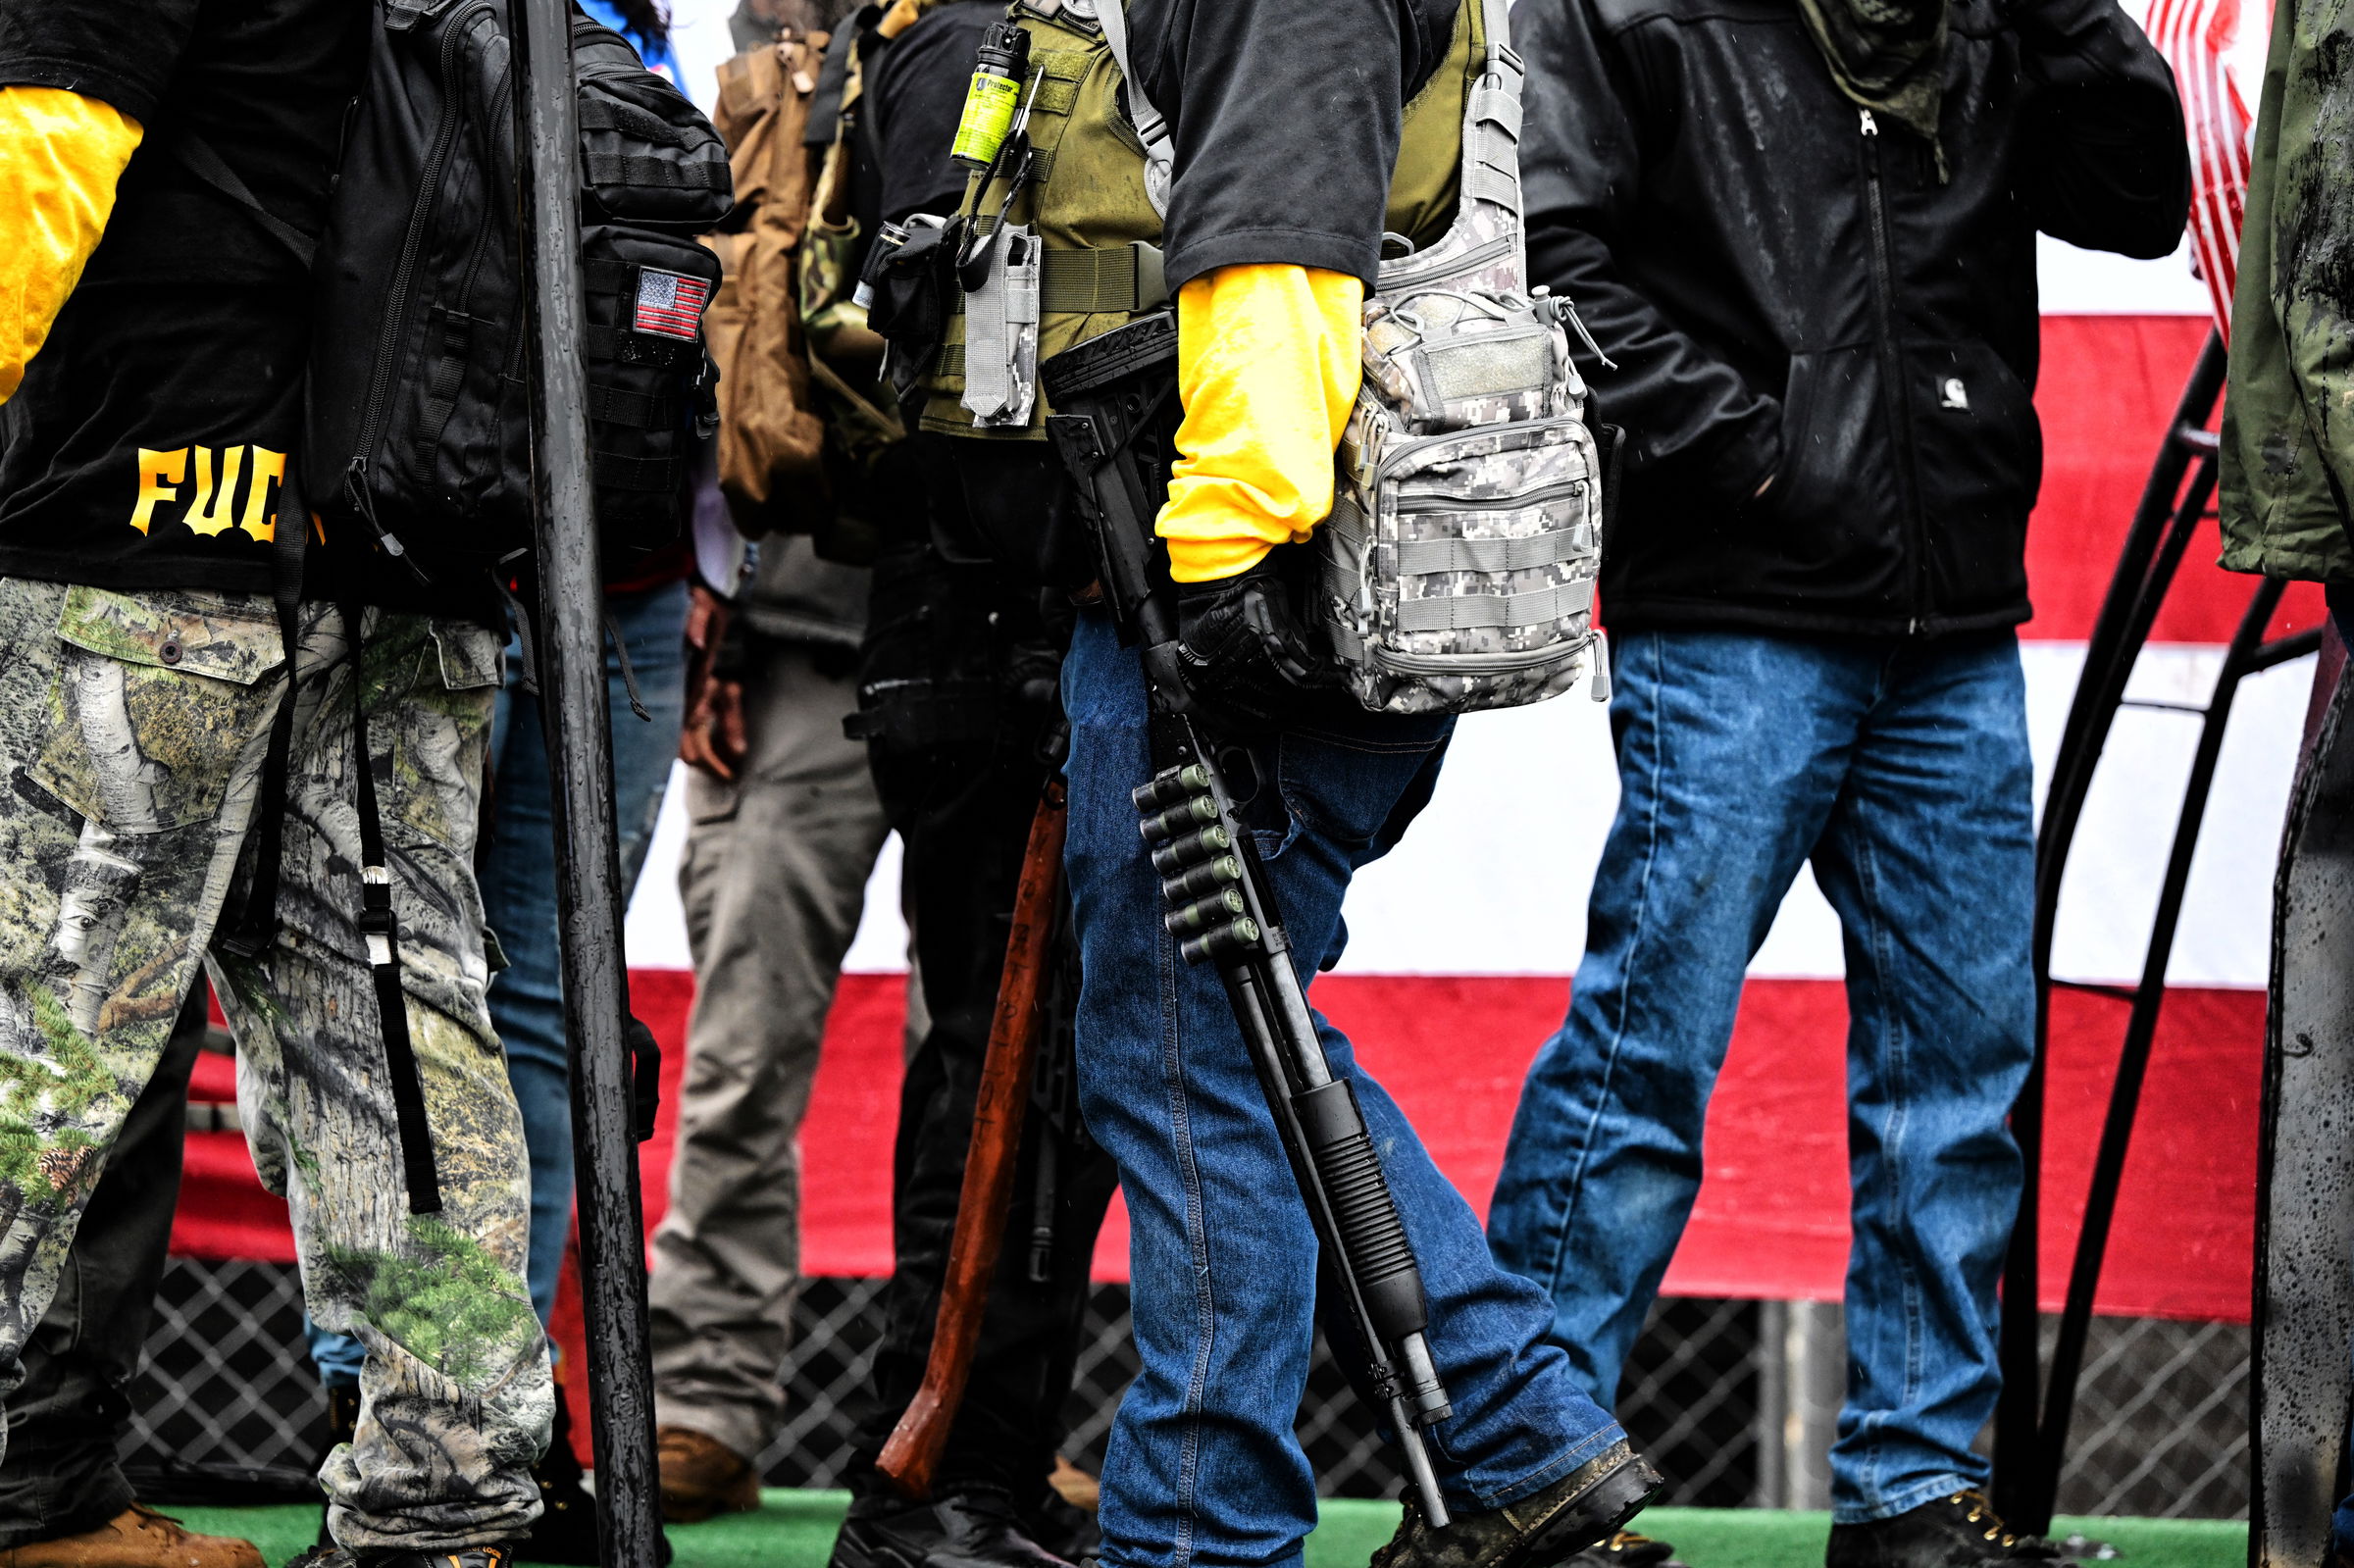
1204	1467
517	868
1901	771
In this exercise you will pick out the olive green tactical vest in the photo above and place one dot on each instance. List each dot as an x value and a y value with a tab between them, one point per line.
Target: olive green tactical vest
1098	232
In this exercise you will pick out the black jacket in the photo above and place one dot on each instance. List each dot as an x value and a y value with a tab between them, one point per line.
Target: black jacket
1789	290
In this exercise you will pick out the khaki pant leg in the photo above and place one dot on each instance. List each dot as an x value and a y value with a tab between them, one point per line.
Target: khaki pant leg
773	880
455	1397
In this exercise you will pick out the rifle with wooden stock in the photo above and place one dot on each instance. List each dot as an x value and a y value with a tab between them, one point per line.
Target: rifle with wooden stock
911	1456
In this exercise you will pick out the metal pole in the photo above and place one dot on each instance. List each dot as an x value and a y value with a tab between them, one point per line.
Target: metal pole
573	710
1774	1407
2152	548
2248	654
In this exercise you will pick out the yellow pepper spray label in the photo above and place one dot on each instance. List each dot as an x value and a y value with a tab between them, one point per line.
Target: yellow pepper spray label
987	116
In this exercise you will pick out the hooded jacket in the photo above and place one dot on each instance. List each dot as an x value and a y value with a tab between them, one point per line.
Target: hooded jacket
1796	301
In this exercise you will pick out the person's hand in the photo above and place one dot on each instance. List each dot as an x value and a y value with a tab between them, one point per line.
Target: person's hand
1243	647
712	737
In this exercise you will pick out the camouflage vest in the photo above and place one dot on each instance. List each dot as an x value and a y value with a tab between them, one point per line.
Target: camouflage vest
1098	233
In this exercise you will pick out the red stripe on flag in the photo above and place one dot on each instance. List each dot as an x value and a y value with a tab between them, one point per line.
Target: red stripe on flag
1771	1219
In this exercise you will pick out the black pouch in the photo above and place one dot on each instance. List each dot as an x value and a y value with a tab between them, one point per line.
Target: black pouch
915	288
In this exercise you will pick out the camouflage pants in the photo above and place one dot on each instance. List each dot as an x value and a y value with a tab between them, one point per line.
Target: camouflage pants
133	732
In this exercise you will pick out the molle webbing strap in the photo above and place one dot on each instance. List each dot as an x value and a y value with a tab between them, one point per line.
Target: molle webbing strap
651	476
1120	279
602	168
1459	612
379	928
647	348
612	405
605	113
1424	557
1123	278
1492	143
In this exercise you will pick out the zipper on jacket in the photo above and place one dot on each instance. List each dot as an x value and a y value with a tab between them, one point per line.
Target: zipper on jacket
396	321
1900	407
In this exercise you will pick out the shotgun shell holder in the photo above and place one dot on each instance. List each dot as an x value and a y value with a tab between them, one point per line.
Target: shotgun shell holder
1192	920
1170	787
1207	877
1227	942
1208	844
1182	818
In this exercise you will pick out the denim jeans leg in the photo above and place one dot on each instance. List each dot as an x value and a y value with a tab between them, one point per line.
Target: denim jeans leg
1730	748
518	872
1929	860
1203	1465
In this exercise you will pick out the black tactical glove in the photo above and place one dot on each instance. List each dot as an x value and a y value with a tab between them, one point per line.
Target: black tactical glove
1243	650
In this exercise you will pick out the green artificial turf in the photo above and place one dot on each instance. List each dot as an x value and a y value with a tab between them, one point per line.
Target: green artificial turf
795	1530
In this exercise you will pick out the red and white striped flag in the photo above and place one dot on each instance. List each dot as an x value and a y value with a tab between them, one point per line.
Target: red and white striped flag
669	303
2217	50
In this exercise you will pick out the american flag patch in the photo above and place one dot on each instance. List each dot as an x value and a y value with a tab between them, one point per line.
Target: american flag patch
669	303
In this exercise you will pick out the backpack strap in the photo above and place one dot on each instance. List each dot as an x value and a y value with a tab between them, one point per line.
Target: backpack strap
379	928
199	158
1161	153
824	125
1492	118
256	927
1489	205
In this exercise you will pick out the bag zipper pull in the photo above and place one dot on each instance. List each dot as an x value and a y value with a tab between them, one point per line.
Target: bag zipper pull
1872	127
1563	311
355	486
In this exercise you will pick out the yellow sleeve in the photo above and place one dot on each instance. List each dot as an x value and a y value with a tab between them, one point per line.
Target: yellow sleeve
60	155
1267	367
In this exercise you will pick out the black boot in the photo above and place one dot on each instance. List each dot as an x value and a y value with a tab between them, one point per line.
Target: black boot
1627	1550
1956	1532
342	1422
1584	1506
975	1528
566	1530
503	1556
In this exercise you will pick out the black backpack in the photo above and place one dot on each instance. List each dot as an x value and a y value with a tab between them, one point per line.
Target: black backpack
419	431
419	428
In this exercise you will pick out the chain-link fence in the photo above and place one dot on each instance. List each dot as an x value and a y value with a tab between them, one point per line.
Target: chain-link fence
228	1402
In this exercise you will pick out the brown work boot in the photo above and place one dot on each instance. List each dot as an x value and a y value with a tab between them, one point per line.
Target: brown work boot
1589	1504
701	1476
137	1538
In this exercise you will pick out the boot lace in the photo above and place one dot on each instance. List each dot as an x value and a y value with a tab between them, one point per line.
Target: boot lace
1980	1511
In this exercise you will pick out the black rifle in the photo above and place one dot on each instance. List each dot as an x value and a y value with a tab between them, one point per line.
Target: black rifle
1117	414
606	1096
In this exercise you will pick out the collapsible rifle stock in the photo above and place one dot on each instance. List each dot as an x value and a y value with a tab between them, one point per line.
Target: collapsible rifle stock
1116	413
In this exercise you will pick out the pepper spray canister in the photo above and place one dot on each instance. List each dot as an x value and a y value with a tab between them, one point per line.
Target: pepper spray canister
994	94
